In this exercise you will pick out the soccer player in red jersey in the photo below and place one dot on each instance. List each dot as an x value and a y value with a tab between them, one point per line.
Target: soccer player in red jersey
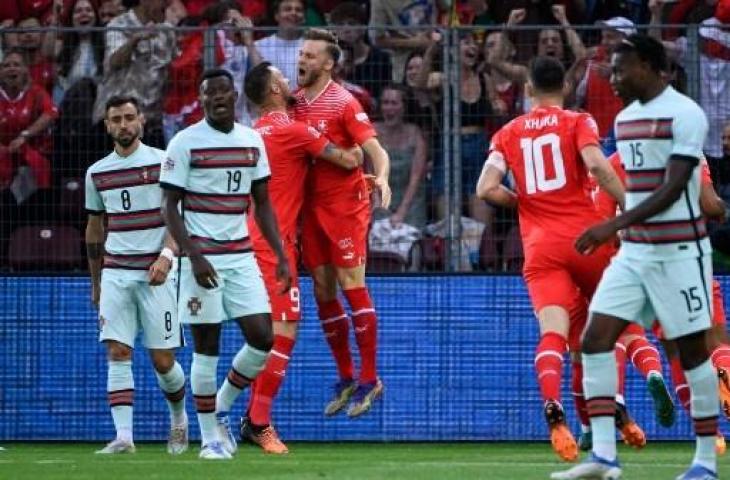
336	219
550	152
291	146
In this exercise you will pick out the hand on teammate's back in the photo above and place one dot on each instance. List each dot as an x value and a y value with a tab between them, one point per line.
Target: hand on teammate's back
205	274
158	271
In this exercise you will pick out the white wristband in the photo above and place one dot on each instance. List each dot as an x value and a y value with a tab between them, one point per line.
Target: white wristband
167	253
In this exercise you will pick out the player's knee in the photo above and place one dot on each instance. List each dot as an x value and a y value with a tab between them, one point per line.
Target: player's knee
262	341
593	341
118	352
163	360
693	350
350	278
285	329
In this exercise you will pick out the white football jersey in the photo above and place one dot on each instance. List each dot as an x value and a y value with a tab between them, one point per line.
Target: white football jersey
647	135
216	171
126	189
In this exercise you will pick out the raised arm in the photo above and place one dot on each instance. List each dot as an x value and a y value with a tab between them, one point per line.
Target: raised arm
574	41
266	221
95	252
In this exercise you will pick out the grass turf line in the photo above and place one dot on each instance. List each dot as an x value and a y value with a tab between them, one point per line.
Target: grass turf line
389	461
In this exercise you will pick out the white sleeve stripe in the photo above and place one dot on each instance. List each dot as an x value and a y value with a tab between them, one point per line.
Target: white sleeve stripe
496	160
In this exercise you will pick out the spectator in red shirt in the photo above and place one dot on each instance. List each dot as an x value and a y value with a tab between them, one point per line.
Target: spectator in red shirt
26	112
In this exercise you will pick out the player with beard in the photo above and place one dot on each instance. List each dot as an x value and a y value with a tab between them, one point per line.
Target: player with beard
134	292
663	269
291	146
336	220
212	171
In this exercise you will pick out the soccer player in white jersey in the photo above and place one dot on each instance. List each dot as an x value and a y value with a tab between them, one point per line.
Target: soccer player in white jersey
212	170
134	292
663	268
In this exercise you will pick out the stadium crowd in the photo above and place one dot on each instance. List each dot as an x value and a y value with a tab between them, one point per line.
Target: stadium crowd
55	82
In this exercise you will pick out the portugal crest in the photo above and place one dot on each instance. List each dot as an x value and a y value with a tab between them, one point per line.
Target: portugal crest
194	305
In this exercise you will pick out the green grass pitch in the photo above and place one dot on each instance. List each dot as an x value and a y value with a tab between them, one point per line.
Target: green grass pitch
382	461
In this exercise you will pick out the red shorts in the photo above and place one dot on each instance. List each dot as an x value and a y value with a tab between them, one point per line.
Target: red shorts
335	233
718	311
285	307
554	272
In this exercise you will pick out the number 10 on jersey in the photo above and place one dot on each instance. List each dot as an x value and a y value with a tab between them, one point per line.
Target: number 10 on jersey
535	171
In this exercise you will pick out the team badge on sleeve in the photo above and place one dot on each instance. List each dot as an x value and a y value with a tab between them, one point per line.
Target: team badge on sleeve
169	164
362	116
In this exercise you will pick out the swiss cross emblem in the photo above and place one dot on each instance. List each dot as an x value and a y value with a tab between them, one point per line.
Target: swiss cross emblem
194	305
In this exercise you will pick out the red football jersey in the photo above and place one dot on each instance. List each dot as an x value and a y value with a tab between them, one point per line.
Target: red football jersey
542	149
336	114
17	114
290	146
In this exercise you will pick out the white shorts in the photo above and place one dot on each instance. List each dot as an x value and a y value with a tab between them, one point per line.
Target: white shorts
677	293
240	292
128	305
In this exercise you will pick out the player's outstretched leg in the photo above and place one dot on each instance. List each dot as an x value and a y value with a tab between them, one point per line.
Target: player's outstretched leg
256	427
336	328
365	323
120	392
171	379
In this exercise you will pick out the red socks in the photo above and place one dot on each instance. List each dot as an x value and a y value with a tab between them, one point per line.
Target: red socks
366	331
644	356
268	382
336	328
549	364
721	357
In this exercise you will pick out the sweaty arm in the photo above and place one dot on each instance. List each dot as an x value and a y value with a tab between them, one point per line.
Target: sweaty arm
489	186
95	251
603	172
348	159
